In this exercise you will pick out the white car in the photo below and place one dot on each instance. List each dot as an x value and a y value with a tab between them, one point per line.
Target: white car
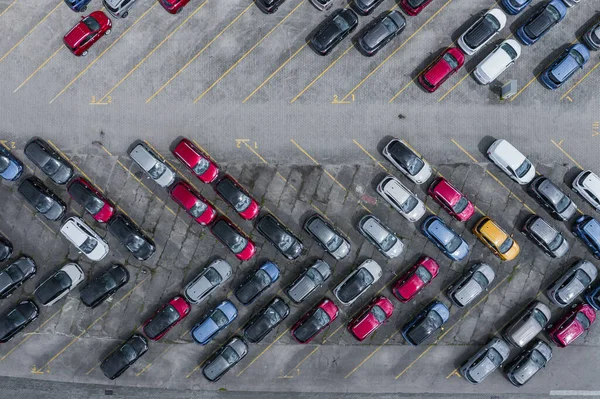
401	198
207	281
503	56
511	161
59	284
587	184
482	31
358	282
407	161
84	238
153	165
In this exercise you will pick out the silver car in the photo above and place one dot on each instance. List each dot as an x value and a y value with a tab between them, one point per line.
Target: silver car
153	165
528	363
327	237
207	281
545	236
322	5
225	358
475	280
358	282
485	361
528	324
401	198
118	8
309	281
571	284
380	236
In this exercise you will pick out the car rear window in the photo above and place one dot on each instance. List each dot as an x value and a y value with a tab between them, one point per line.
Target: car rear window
461	205
378	313
509	50
219	318
494	357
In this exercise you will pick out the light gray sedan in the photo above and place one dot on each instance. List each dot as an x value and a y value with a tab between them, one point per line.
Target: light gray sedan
485	361
527	324
380	236
153	165
571	284
207	281
309	281
475	280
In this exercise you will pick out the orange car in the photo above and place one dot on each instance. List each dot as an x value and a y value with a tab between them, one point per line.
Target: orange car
496	239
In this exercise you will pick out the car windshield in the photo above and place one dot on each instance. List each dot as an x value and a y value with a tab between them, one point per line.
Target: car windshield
312	325
388	242
219	318
410	204
537	358
539	316
355	285
163	320
285	243
238	244
509	50
91	23
135	243
230	355
341	22
14	273
407	158
423	274
460	205
334	243
4	163
583	320
201	166
44	204
563	204
243	203
578	57
452	62
88	245
494	357
583	278
93	205
389	24
213	276
157	170
556	242
51	166
506	245
128	353
315	276
454	244
378	313
416	3
480	279
523	169
198	209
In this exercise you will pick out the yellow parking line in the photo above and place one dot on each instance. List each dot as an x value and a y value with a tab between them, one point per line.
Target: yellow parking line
169	346
263	352
38	68
257	154
465	151
302	361
454	372
76	167
568	156
369	155
316	163
30	335
371	354
581	80
8	8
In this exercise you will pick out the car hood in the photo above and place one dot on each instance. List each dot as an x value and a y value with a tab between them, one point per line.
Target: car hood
365	326
76	35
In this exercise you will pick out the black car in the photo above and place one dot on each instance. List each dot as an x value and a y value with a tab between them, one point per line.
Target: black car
333	30
365	7
279	236
103	286
266	320
15	275
552	198
6	248
225	358
257	282
379	32
42	198
232	237
124	356
132	237
49	161
592	37
237	197
17	319
269	6
528	363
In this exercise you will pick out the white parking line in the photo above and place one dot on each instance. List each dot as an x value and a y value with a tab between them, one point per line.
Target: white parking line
574	393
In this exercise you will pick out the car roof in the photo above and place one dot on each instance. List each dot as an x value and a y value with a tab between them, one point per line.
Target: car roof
542	229
320	228
592	182
493	232
509	154
441	231
483	29
497	61
396	189
550	190
374	228
143	156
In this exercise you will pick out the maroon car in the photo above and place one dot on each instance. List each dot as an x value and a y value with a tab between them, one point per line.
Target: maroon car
173	6
167	317
415	279
452	200
315	321
441	69
87	32
414	7
373	317
194	204
91	199
196	161
572	324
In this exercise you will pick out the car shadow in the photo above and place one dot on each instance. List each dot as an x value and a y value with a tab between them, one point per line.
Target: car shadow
484	144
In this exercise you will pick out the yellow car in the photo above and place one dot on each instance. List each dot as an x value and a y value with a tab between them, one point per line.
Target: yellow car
496	239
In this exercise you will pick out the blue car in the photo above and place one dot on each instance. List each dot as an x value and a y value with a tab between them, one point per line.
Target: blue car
78	5
542	20
561	70
257	282
588	229
513	7
10	167
593	297
449	242
427	322
213	322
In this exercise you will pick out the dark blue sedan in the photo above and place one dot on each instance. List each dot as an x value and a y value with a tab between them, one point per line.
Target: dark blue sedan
513	7
561	70
10	167
588	229
427	322
213	322
446	239
543	19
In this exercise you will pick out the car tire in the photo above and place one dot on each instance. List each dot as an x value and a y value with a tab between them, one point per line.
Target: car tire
84	53
179	10
83	9
574	305
125	14
107	32
575	190
549	326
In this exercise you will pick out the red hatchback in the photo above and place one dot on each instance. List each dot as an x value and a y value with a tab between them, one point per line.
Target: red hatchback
196	161
413	7
87	32
173	6
572	324
415	279
90	198
194	204
452	200
315	321
167	317
235	195
375	314
441	69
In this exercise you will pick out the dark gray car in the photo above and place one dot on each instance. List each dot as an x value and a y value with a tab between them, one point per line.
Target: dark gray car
6	248
380	32
266	320
279	236
16	319
49	161
19	271
42	198
473	282
224	359
527	324
485	361
528	363
131	237
592	37
572	283
333	30
552	198
104	286
327	237
311	279
545	236
124	356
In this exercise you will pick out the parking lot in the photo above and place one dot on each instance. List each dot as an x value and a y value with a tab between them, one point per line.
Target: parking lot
303	134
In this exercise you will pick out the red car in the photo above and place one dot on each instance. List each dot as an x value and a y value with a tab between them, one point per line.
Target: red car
90	198
87	32
167	317
233	238
235	195
573	323
441	69
173	6
315	321
415	279
193	203
413	7
452	200
196	161
375	314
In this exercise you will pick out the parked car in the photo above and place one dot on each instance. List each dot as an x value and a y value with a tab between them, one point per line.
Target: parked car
496	239
587	184
193	203
564	290
166	317
571	3
327	236
358	282
269	6
503	56
6	248
118	8
257	282
78	5
453	201
42	198
511	161
552	198
237	197
546	16
401	198
13	276
528	363
415	279
86	240
570	61
527	324
380	32
574	323
365	7
592	37
322	5
58	284
425	323
447	240
414	7
386	241
482	31
124	356
87	32
16	319
104	286
446	65
513	7
279	236
407	161
233	238
371	318
196	160
550	240
173	6
11	168
132	237
49	161
592	296
224	359
309	281
315	321
471	284
91	199
588	230
333	30
266	320
152	163
212	277
213	322
485	361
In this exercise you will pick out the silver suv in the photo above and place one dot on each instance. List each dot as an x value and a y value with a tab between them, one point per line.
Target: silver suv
207	281
476	280
528	324
309	281
380	236
153	165
327	237
545	236
118	8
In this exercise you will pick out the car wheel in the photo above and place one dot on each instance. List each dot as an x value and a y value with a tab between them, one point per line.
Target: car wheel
125	14
83	9
84	53
573	306
179	10
575	190
107	32
549	327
